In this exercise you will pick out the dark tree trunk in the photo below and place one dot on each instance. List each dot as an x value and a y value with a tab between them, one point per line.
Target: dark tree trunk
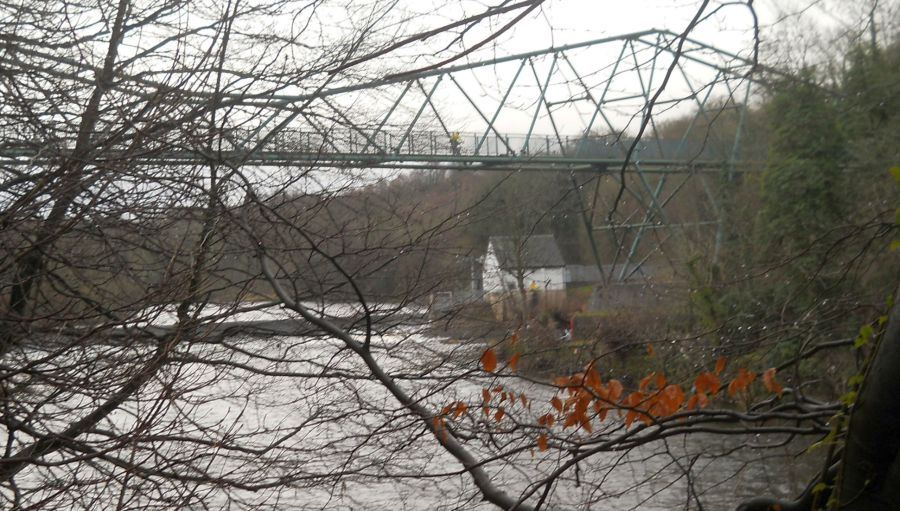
870	470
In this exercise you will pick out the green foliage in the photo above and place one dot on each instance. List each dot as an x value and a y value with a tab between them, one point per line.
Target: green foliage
864	337
706	301
799	250
871	91
895	171
802	184
803	194
870	110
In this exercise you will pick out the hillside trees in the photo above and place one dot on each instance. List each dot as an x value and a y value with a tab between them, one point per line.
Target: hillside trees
796	232
826	218
870	100
801	186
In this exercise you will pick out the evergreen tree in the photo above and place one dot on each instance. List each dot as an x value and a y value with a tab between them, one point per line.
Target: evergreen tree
802	192
871	119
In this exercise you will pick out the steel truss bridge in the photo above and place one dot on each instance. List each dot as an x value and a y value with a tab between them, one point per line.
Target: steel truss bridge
568	108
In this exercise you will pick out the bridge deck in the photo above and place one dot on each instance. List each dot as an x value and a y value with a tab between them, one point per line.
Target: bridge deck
420	149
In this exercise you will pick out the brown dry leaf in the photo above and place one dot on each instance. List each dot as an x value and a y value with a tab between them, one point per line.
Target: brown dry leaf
615	389
489	360
660	381
646	382
514	361
720	365
770	383
557	403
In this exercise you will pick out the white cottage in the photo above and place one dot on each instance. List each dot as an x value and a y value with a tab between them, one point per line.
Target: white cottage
536	260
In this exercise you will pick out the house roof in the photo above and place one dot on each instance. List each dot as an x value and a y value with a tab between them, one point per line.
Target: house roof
535	251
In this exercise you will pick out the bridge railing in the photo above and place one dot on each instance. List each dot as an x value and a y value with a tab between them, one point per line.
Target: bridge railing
433	144
438	143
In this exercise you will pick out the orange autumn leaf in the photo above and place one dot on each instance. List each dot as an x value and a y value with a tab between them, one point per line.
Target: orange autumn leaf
581	406
707	383
634	399
741	382
770	383
446	409
700	383
489	360
673	398
629	418
439	428
573	397
514	361
547	420
592	379
650	350
542	443
698	401
660	381
615	388
586	424
513	339
751	376
646	382
561	381
702	400
499	415
557	403
601	414
524	399
460	409
602	392
486	395
571	420
734	387
692	402
720	365
658	408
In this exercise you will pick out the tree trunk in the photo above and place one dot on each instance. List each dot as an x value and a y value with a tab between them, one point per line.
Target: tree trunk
870	469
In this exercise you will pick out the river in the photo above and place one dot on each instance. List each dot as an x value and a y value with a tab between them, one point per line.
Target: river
297	423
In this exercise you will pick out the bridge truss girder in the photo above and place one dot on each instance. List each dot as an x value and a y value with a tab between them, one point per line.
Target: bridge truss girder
568	109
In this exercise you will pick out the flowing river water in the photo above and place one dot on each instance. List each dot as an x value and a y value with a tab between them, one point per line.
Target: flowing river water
341	441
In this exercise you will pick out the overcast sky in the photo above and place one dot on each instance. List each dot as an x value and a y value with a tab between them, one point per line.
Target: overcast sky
566	21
